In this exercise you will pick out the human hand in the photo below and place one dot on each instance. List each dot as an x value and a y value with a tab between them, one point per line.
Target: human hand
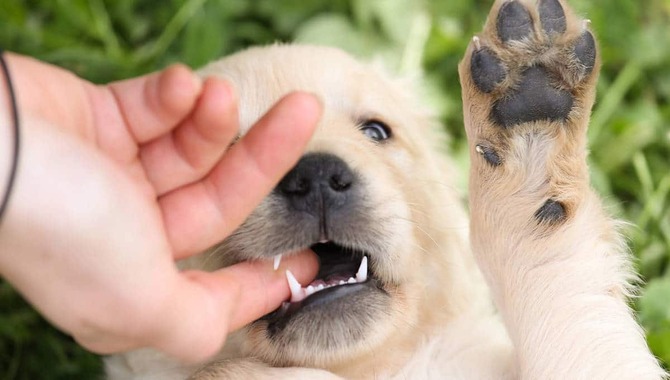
116	182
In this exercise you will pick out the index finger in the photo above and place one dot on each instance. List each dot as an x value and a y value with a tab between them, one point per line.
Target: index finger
203	213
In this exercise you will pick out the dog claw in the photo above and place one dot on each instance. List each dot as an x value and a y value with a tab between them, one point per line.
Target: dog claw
477	42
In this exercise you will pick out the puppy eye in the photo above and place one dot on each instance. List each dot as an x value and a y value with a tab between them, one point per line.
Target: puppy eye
376	130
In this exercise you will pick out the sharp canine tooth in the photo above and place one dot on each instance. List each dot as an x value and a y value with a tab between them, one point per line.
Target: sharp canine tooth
297	292
277	261
362	274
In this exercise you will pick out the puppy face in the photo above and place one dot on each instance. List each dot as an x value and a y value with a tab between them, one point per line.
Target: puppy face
366	192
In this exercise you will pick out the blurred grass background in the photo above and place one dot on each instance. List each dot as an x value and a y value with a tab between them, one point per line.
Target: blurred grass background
104	40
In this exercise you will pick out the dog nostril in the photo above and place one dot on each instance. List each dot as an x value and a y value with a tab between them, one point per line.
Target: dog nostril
338	183
296	186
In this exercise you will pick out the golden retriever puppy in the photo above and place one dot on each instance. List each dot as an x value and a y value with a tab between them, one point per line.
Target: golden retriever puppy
400	292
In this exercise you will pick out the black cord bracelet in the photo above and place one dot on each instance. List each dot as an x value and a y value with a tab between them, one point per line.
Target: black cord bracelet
15	147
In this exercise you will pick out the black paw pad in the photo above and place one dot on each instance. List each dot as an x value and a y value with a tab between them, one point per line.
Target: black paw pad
534	99
585	51
489	155
514	22
551	212
552	17
487	70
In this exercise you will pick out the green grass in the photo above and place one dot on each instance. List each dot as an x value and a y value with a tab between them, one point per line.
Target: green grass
104	40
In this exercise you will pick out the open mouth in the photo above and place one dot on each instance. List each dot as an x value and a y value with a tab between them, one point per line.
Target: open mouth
338	267
342	272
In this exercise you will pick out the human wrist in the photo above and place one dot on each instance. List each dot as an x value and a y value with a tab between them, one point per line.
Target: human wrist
9	136
5	134
51	94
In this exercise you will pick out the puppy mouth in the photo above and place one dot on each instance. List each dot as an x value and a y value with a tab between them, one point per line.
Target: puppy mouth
343	272
338	267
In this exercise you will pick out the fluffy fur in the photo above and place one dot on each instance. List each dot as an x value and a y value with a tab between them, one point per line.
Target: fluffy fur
559	289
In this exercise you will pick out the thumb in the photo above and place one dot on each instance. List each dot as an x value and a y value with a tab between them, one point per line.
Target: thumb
207	306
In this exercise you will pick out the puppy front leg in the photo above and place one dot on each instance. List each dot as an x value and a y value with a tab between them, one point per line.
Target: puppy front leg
556	264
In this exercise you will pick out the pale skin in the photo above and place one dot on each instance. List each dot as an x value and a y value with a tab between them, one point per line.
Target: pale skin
116	182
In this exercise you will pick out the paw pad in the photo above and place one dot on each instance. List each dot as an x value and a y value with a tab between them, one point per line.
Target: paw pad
489	155
552	17
514	22
487	70
534	99
543	87
552	212
585	51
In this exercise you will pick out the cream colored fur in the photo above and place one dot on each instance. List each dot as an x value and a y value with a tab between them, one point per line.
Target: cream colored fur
560	291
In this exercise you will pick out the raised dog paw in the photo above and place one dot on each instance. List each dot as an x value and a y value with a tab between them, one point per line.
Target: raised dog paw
528	86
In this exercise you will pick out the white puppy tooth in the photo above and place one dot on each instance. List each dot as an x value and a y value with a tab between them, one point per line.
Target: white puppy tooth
320	287
342	282
351	280
277	261
310	290
297	292
362	274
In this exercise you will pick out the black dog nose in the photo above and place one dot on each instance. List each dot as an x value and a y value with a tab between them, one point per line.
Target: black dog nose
319	184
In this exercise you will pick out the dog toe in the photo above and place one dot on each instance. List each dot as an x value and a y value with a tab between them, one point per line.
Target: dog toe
486	69
552	17
514	22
